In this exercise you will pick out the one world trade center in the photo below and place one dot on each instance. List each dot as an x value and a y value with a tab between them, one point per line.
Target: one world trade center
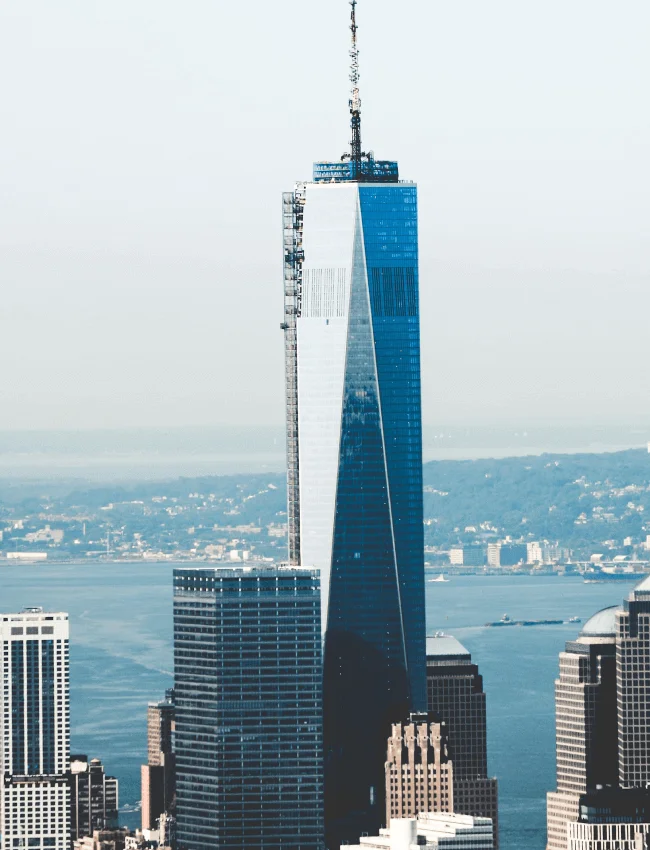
354	452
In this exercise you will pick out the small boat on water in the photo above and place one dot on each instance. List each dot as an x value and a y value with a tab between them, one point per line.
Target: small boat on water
439	578
507	620
575	620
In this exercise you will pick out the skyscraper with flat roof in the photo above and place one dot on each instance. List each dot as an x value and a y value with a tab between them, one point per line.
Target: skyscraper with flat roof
354	449
248	693
34	731
603	731
94	797
633	687
158	776
456	698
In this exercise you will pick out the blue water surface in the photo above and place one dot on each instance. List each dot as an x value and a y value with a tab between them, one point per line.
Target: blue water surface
121	658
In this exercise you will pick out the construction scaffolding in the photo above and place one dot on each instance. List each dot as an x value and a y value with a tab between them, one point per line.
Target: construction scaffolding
293	205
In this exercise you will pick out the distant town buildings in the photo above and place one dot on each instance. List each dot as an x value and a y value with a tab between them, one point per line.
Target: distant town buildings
419	775
93	797
494	554
506	554
432	831
456	556
603	730
456	698
248	696
158	776
34	731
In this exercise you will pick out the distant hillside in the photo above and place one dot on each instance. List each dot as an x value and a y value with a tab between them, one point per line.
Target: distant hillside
587	502
580	500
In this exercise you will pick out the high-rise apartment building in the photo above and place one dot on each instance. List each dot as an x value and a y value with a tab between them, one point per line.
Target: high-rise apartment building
158	776
354	452
419	775
248	695
456	697
93	797
603	728
34	731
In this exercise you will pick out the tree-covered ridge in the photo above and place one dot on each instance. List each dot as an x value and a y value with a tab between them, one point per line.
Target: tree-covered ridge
588	503
580	500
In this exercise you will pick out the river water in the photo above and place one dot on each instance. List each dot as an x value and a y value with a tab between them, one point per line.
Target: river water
121	658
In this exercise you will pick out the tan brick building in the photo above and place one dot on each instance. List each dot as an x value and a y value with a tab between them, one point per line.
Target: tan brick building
419	775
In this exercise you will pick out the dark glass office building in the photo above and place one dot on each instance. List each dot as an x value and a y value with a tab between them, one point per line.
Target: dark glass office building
352	342
456	698
248	692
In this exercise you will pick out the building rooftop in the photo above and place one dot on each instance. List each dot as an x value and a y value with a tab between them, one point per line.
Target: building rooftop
445	646
249	569
602	624
643	586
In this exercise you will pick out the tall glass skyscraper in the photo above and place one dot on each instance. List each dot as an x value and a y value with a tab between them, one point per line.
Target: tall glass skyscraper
34	731
248	672
354	443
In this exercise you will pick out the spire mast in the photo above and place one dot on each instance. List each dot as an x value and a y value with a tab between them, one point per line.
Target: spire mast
355	100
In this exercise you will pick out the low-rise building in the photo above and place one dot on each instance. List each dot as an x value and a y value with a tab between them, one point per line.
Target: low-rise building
93	797
431	830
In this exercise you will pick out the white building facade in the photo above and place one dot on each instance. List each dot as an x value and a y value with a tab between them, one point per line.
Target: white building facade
436	831
34	731
607	836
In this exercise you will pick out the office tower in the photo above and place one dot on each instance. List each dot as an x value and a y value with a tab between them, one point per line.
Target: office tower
34	731
419	775
93	797
587	738
354	452
433	831
248	692
158	776
632	677
455	696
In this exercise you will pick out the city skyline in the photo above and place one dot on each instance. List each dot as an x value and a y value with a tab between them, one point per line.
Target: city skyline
305	708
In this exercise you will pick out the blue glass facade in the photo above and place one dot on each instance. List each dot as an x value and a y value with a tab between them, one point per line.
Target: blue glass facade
375	639
354	402
390	233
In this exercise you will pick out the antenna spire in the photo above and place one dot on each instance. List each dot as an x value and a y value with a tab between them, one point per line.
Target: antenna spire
355	100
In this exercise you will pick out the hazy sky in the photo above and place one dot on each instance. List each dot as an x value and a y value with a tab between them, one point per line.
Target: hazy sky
144	147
